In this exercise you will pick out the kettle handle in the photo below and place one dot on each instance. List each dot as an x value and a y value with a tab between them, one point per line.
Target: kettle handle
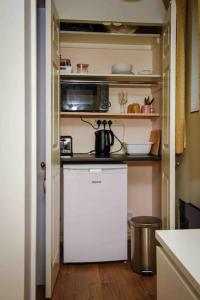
112	137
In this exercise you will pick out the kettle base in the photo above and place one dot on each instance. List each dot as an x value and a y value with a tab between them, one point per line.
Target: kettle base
102	154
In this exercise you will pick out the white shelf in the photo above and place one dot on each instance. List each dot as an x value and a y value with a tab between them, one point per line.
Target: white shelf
109	38
113	78
108	115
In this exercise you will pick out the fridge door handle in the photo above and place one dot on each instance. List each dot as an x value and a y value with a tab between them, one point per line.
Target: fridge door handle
95	171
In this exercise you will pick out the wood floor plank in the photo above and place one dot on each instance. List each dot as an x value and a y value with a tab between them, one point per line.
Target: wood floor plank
102	281
123	283
77	282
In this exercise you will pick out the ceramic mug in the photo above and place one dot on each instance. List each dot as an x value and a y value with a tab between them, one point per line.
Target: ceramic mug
147	109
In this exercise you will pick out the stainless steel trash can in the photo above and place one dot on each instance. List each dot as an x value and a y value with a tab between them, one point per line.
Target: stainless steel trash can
143	244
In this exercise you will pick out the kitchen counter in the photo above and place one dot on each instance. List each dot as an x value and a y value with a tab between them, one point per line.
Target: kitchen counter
90	158
183	248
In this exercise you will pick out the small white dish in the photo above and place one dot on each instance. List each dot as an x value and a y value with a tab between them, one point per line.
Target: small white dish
140	148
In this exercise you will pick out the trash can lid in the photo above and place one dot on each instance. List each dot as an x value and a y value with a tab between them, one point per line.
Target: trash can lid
145	221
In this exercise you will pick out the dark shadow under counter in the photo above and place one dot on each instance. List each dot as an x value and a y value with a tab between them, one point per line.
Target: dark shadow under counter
92	158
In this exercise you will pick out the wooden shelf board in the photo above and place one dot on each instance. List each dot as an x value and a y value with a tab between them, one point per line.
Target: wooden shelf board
108	38
113	78
108	115
150	35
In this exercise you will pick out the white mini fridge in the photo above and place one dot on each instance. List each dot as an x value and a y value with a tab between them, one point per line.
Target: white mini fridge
95	212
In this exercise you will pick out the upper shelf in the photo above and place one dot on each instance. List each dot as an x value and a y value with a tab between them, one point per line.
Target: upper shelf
109	38
113	78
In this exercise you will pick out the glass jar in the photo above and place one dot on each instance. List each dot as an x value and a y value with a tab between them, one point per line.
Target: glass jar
82	68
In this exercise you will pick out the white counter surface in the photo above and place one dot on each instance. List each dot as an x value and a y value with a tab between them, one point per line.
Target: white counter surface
183	247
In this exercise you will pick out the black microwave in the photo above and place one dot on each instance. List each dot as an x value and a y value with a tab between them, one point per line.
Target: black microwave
88	97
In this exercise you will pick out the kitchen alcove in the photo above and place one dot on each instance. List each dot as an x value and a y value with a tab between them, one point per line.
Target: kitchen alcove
101	50
145	52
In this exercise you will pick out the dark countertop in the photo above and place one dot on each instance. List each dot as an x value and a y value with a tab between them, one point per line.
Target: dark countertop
91	158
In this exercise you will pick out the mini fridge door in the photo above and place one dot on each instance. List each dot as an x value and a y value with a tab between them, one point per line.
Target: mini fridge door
95	213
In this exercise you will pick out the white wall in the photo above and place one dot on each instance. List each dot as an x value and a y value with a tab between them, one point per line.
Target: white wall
12	150
138	11
16	156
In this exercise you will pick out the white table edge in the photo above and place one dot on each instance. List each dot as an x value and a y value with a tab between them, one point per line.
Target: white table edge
189	277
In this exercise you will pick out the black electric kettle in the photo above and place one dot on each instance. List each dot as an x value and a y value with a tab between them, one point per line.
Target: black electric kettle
104	139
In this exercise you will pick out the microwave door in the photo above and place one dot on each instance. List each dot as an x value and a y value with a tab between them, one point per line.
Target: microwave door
87	98
78	97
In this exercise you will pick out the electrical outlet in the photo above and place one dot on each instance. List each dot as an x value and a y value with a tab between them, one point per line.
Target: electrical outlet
114	122
96	121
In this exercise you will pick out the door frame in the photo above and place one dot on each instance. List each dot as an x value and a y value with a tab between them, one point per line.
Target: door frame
172	119
31	145
168	156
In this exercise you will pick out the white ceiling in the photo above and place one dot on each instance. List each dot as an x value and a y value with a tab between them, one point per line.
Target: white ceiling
137	11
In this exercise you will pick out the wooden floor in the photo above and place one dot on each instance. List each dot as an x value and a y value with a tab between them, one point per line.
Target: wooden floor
101	281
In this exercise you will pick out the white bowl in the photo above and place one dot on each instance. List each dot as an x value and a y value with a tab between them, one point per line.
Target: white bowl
122	69
142	148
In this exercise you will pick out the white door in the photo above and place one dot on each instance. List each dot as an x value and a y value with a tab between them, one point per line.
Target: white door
52	148
168	118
